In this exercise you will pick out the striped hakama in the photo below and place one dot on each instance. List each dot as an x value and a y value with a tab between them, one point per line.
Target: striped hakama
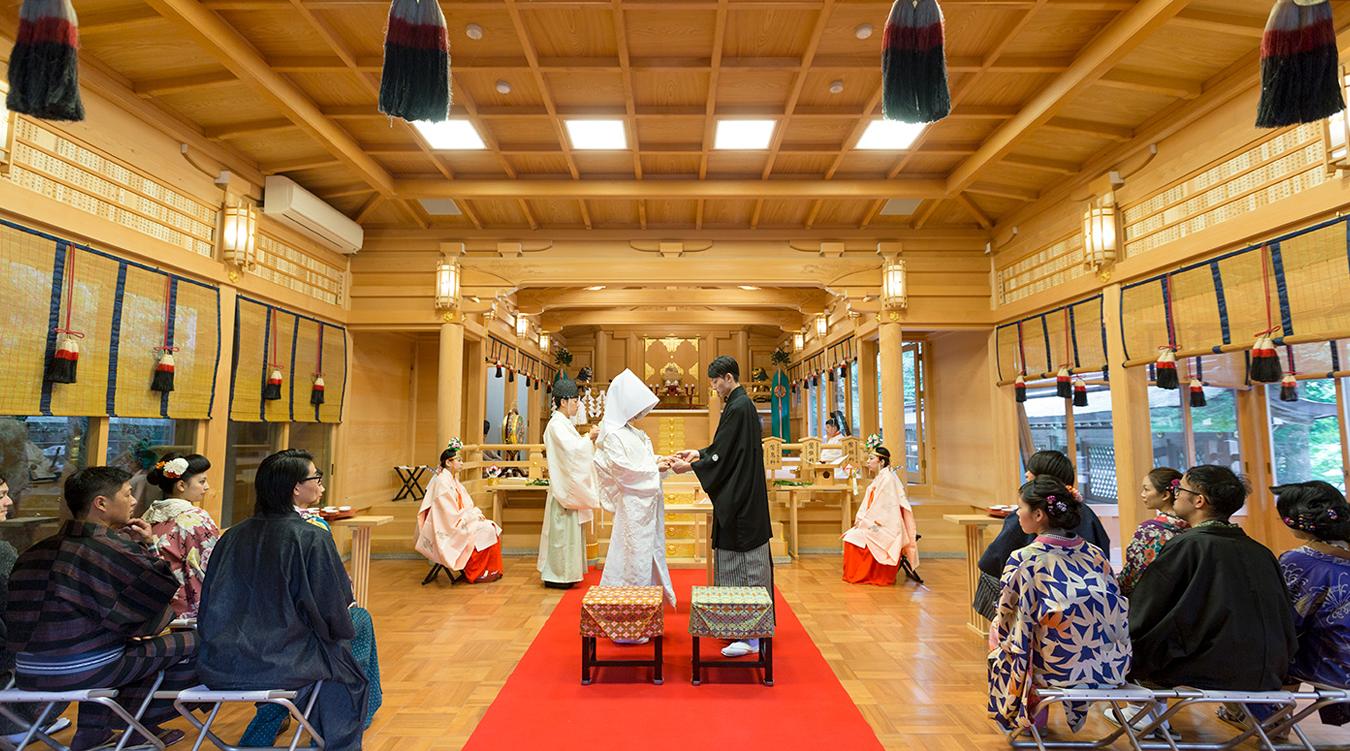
749	568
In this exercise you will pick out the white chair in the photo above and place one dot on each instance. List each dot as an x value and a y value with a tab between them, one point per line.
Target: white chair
104	696
201	695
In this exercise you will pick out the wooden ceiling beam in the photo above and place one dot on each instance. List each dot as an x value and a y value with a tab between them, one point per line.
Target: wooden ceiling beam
1003	191
1045	165
175	84
297	165
717	316
231	49
969	205
1235	24
117	21
662	188
537	300
799	81
1126	32
1172	86
1090	127
252	127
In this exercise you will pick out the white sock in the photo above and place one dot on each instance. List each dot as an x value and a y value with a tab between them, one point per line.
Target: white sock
754	643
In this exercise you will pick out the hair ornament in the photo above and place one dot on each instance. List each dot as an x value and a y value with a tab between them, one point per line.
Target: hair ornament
455	445
1174	484
174	470
873	442
1332	515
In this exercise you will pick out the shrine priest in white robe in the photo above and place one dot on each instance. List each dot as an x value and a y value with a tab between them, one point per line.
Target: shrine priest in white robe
572	494
630	488
731	472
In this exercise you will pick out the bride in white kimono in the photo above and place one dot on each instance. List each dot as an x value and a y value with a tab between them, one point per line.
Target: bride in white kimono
630	488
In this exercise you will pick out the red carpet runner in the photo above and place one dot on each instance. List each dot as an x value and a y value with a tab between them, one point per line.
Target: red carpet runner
544	705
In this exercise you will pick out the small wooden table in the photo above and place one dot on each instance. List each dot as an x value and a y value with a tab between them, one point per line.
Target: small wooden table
845	491
974	524
361	527
702	529
505	486
20	530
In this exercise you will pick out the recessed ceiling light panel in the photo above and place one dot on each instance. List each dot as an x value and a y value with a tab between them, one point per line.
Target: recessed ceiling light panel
743	134
450	135
890	135
597	134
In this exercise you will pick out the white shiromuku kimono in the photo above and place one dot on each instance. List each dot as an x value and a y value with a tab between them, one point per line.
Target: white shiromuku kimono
449	527
884	525
630	488
572	497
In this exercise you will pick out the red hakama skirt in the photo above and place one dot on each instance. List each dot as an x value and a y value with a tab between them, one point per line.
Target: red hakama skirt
861	568
485	565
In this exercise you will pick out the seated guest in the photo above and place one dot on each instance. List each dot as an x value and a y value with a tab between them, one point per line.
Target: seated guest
27	712
184	532
832	451
1212	611
883	530
1011	537
453	532
489	455
1061	620
87	607
274	610
1318	578
1158	494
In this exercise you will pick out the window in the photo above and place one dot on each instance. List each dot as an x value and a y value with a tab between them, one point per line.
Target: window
1166	418
1051	423
1046	421
853	380
1185	436
37	454
249	443
841	389
813	407
1215	429
130	436
1305	436
915	389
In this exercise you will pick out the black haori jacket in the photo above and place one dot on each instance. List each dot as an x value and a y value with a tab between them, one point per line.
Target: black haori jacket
731	471
1212	612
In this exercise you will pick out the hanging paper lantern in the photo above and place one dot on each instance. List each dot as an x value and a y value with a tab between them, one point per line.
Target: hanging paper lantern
44	70
913	64
1165	369
1265	367
1080	397
1300	78
1063	384
162	380
415	81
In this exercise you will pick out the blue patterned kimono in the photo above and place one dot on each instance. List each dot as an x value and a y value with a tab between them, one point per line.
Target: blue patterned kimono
1061	622
1319	587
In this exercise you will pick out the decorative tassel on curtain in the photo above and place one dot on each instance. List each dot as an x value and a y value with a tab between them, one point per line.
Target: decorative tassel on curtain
162	380
64	361
272	389
316	392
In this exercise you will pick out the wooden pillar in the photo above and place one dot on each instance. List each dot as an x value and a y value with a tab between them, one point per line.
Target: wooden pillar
213	438
867	384
1262	522
891	345
475	391
1003	422
741	341
449	382
600	369
534	421
1130	428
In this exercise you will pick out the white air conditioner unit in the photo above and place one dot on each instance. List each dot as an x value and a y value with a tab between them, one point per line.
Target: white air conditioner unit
299	209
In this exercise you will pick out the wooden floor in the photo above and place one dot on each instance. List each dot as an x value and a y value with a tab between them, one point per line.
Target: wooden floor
905	655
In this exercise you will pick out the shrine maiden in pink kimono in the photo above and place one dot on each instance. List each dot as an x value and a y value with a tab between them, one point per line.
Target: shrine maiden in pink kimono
1061	619
883	531
630	488
452	531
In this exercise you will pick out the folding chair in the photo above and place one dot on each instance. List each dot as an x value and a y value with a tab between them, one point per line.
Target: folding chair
104	696
201	695
436	569
908	569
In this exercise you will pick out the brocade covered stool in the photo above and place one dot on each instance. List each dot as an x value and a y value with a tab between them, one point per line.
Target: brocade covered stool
622	613
735	613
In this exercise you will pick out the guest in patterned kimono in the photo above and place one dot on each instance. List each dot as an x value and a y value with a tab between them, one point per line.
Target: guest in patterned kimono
275	610
184	532
1318	577
452	531
1011	537
883	531
1157	495
1061	620
87	607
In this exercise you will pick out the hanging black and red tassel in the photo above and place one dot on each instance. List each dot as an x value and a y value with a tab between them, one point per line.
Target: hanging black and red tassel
1020	389
1300	79
510	375
1197	390
1063	384
1165	369
162	380
272	389
1288	388
63	364
1080	398
415	82
44	70
498	374
316	390
913	64
831	375
1265	366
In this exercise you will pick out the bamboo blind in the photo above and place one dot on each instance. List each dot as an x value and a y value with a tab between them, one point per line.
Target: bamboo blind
119	306
1273	169
63	169
1041	270
1295	284
1038	345
297	270
257	325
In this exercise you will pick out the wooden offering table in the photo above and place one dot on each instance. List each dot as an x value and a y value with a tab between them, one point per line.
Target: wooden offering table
813	492
361	527
974	524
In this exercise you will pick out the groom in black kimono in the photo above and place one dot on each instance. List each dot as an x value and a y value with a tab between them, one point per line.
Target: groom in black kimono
731	472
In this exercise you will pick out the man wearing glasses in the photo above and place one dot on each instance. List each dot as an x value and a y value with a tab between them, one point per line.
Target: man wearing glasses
1212	611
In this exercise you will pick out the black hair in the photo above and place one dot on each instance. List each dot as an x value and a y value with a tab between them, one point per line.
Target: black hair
277	477
447	455
724	365
1222	487
1315	507
563	389
1165	480
89	483
1053	463
487	427
839	421
884	453
197	464
1048	494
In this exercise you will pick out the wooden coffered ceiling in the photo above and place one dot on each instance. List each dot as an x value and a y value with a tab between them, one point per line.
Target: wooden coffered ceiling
1040	88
